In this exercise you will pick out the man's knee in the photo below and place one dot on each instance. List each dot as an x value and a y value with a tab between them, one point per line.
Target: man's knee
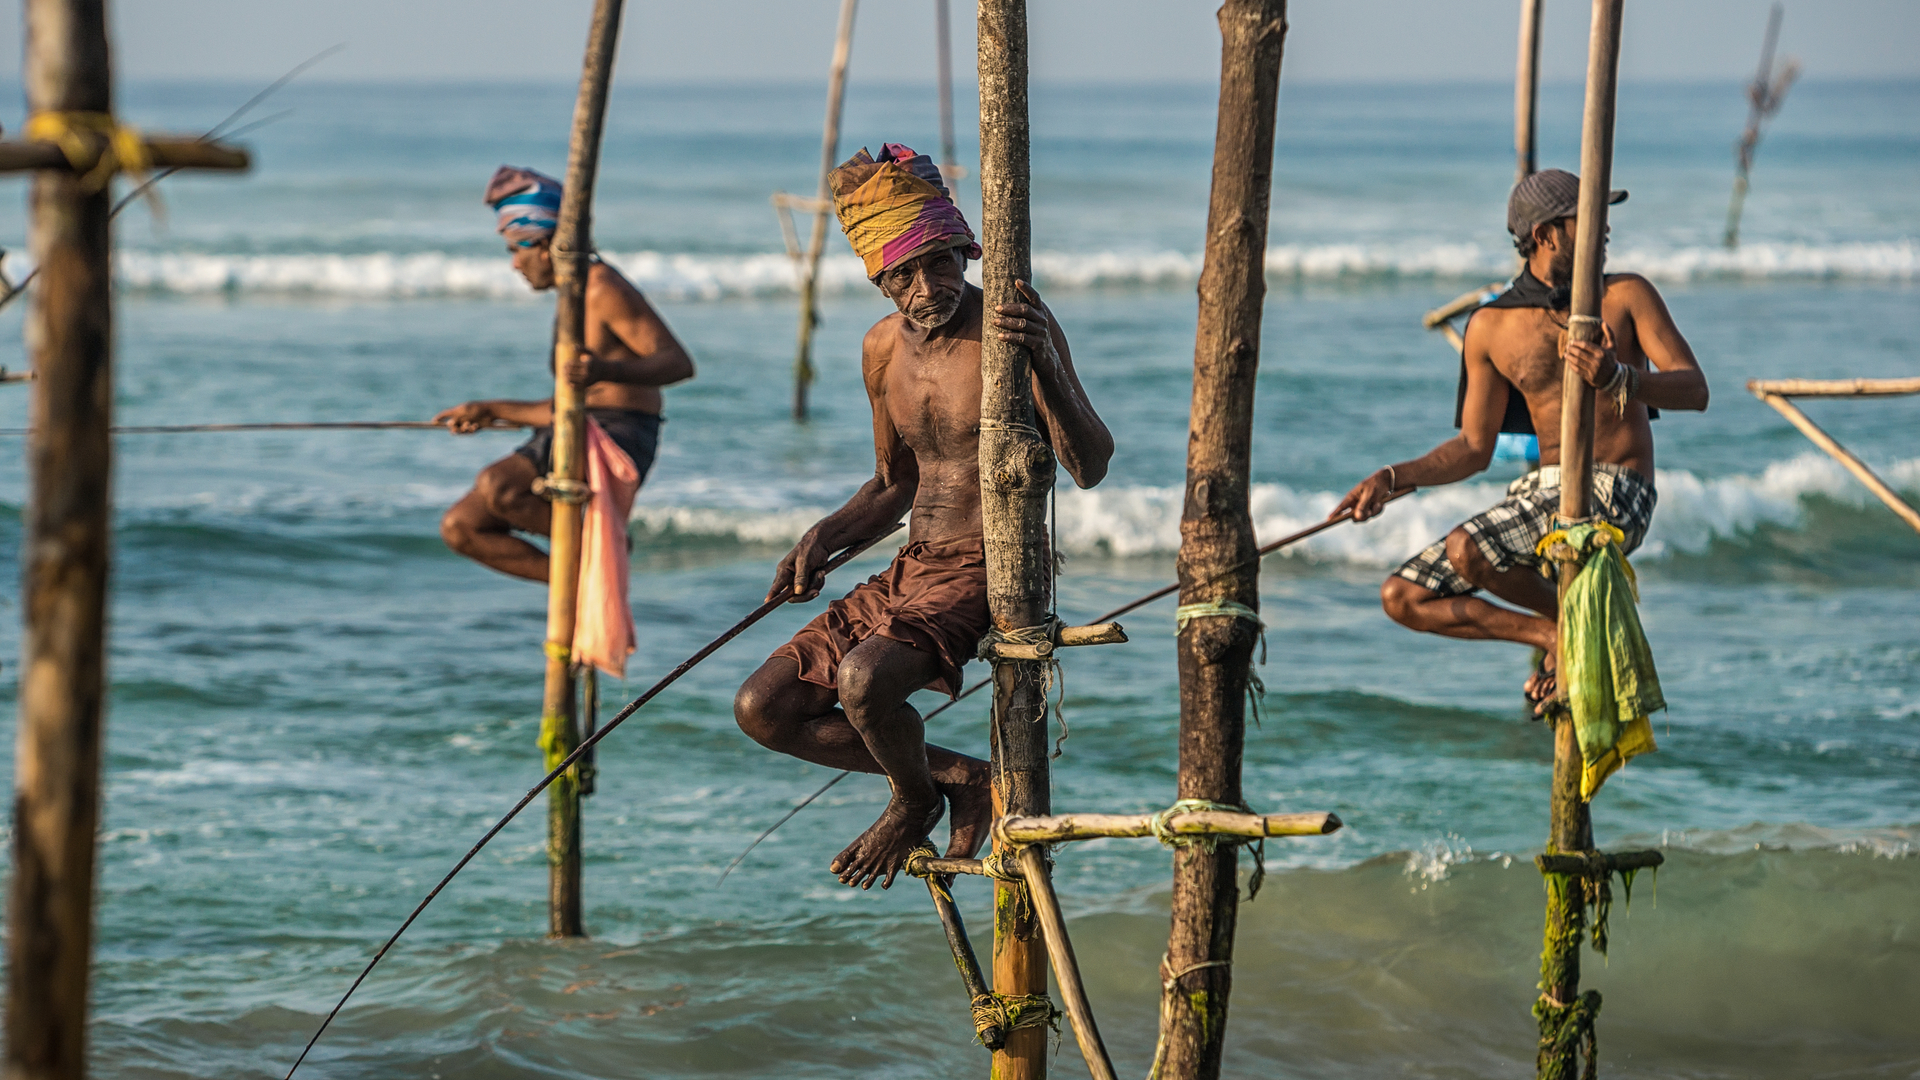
1463	551
504	486
858	680
457	531
756	709
1399	597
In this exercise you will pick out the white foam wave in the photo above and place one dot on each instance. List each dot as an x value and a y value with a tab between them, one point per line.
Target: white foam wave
687	277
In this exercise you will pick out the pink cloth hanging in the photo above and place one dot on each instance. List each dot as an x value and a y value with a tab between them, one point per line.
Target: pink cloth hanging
603	620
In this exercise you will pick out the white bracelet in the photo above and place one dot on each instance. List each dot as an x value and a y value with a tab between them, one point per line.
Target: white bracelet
1392	484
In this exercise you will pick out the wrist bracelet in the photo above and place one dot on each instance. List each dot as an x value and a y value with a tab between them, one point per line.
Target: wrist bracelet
1392	484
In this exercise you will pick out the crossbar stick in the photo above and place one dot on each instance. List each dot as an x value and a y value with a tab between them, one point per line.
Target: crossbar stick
579	752
1311	530
323	425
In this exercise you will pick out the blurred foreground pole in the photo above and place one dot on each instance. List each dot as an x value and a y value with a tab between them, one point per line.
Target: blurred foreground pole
1526	92
566	486
1218	565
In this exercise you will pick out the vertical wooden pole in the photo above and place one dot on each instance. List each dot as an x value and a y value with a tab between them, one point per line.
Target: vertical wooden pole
1526	92
829	150
943	30
1016	473
56	802
1217	560
1759	96
572	250
1571	827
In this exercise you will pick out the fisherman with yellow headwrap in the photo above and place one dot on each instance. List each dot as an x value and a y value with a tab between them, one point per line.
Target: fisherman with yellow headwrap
836	695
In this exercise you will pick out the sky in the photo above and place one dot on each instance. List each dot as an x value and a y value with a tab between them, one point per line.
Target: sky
1071	40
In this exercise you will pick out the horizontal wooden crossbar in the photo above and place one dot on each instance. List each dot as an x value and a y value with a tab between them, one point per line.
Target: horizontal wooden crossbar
164	152
1107	633
1059	828
1833	387
1595	863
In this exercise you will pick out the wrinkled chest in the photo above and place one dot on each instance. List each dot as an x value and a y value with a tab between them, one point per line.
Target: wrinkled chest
935	402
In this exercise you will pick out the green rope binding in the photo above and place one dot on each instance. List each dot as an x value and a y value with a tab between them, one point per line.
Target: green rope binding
1228	609
1563	1028
1160	824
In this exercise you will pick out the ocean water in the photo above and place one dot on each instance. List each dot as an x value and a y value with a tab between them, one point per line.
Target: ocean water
316	707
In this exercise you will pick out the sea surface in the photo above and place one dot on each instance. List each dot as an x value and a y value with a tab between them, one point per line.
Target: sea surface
316	707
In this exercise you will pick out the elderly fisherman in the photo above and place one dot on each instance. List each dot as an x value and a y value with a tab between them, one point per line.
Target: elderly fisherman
836	695
630	354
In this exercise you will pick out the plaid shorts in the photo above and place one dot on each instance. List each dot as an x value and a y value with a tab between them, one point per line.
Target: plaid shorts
1508	532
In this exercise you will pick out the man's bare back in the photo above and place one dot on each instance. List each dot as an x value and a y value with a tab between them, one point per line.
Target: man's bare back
837	694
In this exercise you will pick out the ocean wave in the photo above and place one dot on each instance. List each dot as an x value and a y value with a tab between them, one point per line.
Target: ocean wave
688	277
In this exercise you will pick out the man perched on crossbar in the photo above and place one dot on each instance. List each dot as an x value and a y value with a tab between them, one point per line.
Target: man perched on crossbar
1516	345
836	695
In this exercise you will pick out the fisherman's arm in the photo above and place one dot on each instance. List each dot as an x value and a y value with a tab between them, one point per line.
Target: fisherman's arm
1462	456
659	358
1675	381
877	507
1077	433
472	416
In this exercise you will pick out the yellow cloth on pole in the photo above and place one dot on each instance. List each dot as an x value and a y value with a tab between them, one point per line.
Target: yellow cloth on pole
1606	664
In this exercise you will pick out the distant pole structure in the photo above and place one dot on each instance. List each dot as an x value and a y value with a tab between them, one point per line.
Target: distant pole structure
1219	568
1765	94
74	147
566	486
1526	92
822	208
950	166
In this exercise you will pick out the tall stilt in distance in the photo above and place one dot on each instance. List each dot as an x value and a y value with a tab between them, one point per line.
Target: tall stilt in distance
1016	474
1526	92
1571	828
56	801
1765	94
1218	565
949	157
823	209
566	486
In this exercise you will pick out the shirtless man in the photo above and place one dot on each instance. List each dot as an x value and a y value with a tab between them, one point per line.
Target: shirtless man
630	355
836	695
1513	345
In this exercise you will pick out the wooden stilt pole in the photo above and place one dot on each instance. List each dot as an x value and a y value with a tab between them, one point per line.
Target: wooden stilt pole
566	485
56	807
1571	828
949	157
1016	474
1765	95
1217	562
1526	92
817	243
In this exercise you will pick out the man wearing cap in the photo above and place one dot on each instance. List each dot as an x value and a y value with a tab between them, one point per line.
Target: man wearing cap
1515	347
630	354
836	695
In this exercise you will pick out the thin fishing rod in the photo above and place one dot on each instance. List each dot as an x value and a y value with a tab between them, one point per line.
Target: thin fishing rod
579	752
1108	617
324	425
212	133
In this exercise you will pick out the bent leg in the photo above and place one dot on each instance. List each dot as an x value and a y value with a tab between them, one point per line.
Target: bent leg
481	525
1419	608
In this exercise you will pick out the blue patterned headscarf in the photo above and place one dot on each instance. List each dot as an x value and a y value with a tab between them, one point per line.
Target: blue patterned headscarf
527	202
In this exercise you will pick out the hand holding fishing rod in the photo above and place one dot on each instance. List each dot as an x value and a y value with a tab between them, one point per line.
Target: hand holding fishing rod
585	747
1338	516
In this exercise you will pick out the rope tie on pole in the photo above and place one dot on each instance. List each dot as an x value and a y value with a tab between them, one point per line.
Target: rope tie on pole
1207	609
560	489
1011	1012
1564	1028
1208	843
1052	678
1168	981
119	148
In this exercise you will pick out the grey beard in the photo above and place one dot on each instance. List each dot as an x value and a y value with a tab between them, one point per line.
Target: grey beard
942	315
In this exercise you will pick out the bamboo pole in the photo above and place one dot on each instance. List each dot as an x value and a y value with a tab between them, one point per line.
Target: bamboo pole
572	251
1833	387
1526	92
171	152
1854	465
1066	969
64	584
1217	555
1765	95
1571	828
990	1034
817	243
1065	828
1016	475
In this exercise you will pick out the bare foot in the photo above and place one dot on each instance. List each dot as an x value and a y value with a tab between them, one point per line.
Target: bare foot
1542	686
971	812
880	852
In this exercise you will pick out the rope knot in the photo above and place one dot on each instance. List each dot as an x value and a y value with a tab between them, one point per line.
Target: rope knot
1051	675
95	144
561	489
1228	609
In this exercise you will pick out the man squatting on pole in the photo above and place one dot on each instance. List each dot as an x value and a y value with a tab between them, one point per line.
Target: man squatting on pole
630	354
1516	343
836	695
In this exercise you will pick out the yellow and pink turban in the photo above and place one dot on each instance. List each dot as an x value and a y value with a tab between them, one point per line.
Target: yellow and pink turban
896	208
527	202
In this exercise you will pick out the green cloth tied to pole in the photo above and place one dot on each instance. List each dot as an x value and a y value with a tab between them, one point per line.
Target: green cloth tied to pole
1606	665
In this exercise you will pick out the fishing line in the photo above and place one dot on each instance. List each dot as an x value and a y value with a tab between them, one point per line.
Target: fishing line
579	752
318	425
1108	617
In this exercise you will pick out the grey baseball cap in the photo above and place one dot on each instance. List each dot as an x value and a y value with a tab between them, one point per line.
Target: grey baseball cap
1548	195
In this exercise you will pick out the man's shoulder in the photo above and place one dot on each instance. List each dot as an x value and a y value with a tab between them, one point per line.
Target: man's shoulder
1629	285
606	283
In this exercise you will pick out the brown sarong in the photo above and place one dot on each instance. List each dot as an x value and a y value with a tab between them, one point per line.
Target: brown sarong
932	597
